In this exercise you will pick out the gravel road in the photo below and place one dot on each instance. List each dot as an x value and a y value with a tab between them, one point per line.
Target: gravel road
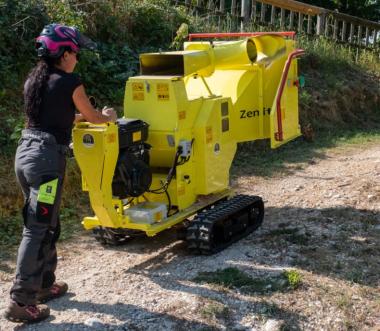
322	219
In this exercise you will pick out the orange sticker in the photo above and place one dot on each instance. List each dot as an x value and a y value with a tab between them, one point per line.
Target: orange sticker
182	115
163	92
111	138
158	216
137	87
181	190
163	88
208	134
163	97
136	136
138	96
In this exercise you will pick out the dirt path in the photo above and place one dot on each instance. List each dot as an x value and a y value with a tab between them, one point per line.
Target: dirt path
323	221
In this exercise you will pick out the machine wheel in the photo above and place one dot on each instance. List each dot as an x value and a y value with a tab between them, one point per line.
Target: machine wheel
226	222
115	237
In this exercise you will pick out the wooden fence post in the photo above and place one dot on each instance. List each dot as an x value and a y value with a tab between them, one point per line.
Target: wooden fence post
327	27
282	19
309	26
222	6
300	22
210	5
360	35
245	10
344	31
244	14
320	24
273	15
352	32
367	36
254	11
263	8
291	20
233	7
336	26
374	38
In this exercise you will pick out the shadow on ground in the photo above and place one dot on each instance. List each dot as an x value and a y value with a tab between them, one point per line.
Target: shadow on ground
337	242
129	317
340	243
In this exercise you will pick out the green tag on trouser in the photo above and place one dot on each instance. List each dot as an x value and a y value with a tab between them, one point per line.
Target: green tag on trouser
47	192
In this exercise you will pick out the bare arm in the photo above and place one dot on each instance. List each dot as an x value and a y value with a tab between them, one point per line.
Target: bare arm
88	112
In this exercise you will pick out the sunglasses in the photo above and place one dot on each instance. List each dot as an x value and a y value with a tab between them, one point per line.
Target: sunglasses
77	55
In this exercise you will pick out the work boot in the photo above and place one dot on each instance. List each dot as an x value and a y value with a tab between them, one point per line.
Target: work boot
26	314
57	290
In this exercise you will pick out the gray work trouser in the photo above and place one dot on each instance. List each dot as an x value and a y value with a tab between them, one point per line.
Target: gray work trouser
40	167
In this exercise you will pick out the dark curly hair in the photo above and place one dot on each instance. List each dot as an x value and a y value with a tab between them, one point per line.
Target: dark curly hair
35	84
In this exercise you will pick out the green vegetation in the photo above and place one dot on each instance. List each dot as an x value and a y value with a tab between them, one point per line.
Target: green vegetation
122	29
214	310
293	277
233	278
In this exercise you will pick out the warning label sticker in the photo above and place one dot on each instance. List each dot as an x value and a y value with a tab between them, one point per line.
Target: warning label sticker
137	87
136	136
163	92
138	91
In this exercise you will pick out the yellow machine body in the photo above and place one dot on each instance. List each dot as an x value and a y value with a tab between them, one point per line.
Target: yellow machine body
213	95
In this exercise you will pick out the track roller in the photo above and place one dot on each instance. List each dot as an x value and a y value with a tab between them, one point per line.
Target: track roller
224	223
115	237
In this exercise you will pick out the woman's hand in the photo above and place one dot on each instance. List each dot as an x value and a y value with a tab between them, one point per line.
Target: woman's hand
89	113
110	113
79	118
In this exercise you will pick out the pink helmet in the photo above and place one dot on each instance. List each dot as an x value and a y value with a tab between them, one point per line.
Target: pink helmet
56	38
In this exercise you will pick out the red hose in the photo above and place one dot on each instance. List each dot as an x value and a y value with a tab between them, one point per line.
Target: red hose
291	56
240	34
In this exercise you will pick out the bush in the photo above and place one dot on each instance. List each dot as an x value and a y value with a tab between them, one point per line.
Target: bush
122	29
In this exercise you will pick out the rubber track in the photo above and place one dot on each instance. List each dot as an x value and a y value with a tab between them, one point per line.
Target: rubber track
236	218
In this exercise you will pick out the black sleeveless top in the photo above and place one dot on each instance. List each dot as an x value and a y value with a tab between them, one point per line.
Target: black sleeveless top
57	110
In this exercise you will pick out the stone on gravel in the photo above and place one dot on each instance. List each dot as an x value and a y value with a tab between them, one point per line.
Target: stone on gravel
273	325
94	322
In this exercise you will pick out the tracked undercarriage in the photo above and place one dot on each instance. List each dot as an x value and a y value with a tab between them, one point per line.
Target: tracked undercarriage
211	230
226	222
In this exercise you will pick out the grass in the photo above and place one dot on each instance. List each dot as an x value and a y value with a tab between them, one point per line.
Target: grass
293	277
233	278
215	310
344	301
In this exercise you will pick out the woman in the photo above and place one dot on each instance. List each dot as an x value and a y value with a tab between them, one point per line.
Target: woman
51	93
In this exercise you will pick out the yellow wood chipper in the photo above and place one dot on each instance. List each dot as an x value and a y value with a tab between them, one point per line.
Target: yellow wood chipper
167	161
